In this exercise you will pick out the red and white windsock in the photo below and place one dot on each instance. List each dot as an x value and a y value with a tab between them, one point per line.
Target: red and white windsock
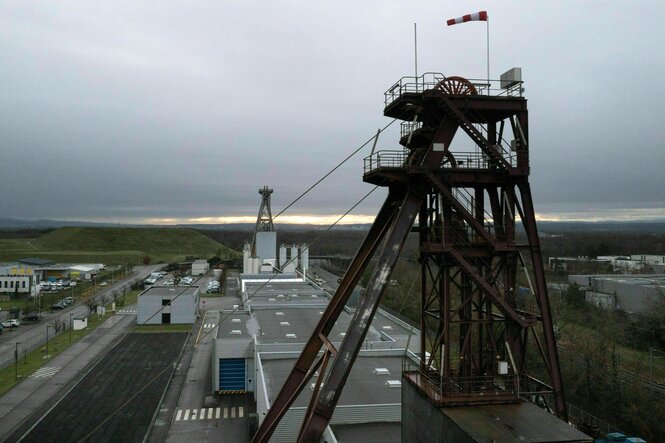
475	17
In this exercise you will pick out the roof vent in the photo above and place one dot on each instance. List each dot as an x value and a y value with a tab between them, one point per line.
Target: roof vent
236	332
235	320
387	328
381	371
279	313
271	299
284	323
393	383
343	334
315	296
290	335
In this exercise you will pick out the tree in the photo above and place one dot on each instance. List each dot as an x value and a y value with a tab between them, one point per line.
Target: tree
146	260
58	325
90	303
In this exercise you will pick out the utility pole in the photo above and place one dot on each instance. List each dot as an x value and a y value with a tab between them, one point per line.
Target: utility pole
70	326
16	360
47	326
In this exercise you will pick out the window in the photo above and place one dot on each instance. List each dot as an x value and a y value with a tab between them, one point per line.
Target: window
166	301
381	371
393	383
23	284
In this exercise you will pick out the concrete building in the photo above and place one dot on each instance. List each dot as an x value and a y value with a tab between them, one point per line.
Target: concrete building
168	304
200	267
256	347
630	293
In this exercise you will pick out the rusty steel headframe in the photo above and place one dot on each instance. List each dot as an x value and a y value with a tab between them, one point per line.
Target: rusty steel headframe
474	327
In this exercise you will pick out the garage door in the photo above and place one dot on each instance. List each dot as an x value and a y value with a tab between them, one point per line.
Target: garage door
232	373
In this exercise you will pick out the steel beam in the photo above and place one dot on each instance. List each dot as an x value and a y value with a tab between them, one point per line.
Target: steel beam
302	370
362	318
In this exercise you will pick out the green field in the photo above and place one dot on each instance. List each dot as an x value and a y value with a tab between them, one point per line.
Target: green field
115	245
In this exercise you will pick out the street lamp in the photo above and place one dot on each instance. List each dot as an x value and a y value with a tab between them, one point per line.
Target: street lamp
70	326
16	360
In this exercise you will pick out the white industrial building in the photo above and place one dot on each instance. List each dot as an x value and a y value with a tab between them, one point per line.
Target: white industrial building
168	304
200	267
630	293
258	342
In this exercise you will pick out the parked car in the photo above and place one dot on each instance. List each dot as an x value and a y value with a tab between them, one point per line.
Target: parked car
32	316
103	283
59	305
72	283
13	323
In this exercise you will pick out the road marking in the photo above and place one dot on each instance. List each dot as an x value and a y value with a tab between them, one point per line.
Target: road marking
177	416
202	414
226	412
217	411
210	413
186	415
209	326
241	412
193	414
45	372
233	412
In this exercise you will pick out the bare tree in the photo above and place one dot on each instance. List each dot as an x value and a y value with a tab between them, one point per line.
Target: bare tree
58	325
90	303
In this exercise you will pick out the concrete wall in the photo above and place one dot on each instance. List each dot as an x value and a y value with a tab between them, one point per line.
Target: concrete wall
266	245
183	308
422	421
11	284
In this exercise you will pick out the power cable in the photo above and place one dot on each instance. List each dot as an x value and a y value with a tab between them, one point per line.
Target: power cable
326	175
225	317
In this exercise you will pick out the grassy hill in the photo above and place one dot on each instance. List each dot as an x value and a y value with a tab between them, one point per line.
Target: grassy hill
114	245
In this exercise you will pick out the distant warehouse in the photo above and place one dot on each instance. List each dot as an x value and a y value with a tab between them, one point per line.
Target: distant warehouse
167	304
200	267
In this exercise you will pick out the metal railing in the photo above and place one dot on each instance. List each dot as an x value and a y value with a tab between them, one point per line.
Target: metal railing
429	80
406	128
475	388
385	159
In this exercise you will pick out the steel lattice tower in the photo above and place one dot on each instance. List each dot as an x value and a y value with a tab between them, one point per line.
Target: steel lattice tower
468	200
264	219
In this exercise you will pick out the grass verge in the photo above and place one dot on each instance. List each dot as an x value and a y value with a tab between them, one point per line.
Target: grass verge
29	362
147	329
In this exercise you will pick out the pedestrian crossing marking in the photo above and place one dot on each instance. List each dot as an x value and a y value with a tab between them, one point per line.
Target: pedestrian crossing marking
45	372
127	311
210	413
209	326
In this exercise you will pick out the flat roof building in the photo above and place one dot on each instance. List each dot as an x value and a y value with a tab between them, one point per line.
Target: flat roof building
168	304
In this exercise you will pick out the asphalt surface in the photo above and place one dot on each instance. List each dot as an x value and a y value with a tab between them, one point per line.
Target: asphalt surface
41	390
117	399
196	414
33	336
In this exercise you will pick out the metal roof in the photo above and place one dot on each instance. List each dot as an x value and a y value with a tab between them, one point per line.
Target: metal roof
363	387
35	261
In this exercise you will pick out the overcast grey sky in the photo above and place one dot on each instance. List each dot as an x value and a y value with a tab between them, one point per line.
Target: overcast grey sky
131	111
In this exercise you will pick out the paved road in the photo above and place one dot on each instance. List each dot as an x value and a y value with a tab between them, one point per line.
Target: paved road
191	418
31	337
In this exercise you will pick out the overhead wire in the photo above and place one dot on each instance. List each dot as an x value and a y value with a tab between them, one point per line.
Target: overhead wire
228	314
